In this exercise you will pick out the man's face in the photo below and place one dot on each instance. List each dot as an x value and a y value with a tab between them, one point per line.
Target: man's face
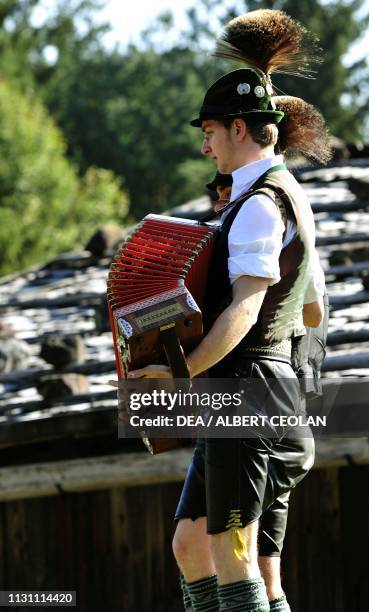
218	145
224	193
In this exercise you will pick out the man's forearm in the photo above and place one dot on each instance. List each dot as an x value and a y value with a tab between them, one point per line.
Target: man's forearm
228	330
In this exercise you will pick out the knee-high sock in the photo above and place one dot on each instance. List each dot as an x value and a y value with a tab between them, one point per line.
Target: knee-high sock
279	605
243	596
204	594
186	596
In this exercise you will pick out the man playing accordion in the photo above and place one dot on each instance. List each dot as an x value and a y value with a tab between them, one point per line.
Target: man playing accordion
256	304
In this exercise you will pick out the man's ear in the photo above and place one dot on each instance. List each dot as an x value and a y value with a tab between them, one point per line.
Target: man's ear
240	128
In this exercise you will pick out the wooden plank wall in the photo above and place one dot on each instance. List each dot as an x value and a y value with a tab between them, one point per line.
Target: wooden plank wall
325	564
114	546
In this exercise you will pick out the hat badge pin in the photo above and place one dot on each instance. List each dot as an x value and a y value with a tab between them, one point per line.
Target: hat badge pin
269	89
243	88
259	91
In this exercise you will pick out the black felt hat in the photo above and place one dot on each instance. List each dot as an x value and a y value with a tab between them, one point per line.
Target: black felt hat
220	180
241	92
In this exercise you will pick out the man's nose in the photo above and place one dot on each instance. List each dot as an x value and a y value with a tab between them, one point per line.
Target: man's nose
205	148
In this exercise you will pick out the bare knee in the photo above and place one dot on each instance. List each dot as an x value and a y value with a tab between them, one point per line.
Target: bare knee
188	536
191	548
182	541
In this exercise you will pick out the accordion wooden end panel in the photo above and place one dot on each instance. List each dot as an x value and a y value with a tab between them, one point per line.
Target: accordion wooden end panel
137	330
157	279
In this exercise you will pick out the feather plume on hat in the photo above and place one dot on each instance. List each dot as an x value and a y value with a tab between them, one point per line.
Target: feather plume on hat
269	41
303	129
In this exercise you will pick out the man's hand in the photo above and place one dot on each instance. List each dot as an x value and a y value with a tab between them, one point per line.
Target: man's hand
123	393
150	371
313	313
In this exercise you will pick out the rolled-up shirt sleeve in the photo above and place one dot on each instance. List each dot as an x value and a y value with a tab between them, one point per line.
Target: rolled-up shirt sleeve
316	285
255	240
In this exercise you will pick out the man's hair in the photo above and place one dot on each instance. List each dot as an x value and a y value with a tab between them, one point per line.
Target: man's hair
264	134
302	130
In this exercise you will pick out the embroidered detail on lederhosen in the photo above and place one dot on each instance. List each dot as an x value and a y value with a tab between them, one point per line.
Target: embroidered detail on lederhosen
238	539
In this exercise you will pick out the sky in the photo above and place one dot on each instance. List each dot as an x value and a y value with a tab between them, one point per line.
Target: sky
128	18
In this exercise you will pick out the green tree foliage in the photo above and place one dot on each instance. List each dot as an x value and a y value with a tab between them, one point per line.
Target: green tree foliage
26	41
131	113
127	110
44	207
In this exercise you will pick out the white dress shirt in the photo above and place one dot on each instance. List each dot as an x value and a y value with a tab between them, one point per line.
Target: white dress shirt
255	239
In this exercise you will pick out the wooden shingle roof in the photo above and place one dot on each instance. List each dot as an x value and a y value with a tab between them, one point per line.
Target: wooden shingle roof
67	296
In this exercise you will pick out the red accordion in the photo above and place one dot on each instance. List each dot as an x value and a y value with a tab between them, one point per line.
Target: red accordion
156	290
157	281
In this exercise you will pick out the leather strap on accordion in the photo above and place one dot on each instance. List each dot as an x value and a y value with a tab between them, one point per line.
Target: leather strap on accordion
174	352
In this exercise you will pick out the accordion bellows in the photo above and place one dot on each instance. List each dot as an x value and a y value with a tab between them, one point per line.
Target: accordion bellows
158	280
